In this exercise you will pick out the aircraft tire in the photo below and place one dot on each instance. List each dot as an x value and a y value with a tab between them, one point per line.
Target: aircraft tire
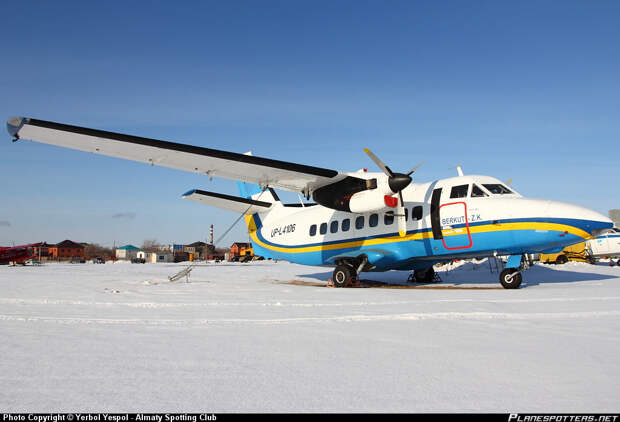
562	259
342	275
425	276
510	280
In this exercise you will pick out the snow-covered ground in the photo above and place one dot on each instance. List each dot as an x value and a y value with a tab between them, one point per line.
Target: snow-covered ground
239	337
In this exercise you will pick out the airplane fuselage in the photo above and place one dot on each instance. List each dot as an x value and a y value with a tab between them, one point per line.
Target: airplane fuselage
459	221
16	254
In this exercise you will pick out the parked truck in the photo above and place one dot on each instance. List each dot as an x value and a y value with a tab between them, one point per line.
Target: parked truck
605	245
578	252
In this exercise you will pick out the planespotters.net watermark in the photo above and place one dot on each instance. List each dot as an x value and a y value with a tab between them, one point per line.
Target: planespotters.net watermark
515	417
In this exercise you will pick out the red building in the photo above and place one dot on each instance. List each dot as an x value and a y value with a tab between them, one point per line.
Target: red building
64	250
240	249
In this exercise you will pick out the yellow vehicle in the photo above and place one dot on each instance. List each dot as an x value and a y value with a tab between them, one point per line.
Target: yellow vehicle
577	252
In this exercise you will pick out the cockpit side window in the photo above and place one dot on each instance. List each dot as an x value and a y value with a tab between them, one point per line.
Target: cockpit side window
459	191
497	189
476	192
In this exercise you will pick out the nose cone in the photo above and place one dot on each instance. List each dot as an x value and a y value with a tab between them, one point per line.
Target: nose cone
398	182
586	219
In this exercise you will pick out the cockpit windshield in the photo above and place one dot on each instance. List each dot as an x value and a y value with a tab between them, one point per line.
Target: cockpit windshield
476	192
497	189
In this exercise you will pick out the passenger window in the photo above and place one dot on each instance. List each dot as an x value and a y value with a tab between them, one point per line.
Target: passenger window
459	191
359	222
373	220
313	230
323	228
388	219
333	227
476	192
416	213
497	189
346	223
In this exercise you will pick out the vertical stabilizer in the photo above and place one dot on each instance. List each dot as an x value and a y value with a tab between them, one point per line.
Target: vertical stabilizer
249	191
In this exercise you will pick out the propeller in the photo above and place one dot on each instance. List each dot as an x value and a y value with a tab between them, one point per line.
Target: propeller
397	182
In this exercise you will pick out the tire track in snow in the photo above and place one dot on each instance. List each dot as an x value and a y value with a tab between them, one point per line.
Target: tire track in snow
155	305
479	316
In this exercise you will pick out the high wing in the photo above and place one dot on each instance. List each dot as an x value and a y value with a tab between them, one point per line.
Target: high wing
227	202
229	165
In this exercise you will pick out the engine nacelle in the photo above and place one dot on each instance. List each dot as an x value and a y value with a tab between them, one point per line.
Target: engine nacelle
353	194
371	200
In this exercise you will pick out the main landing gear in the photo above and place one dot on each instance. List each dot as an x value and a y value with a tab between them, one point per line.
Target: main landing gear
347	271
427	275
343	275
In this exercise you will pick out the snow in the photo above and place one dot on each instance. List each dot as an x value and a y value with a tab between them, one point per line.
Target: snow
242	338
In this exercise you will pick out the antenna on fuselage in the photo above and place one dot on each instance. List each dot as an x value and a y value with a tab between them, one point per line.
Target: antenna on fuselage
459	170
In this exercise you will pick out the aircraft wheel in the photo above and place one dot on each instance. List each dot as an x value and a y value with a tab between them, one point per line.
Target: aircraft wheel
342	275
425	276
510	278
562	259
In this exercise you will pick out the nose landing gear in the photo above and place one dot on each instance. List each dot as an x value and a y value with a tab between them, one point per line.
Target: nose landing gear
510	278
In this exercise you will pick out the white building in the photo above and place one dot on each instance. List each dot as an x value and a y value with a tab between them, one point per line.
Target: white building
128	252
155	257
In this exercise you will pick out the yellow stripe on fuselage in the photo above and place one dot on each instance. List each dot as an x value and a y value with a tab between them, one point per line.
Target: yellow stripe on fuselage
415	236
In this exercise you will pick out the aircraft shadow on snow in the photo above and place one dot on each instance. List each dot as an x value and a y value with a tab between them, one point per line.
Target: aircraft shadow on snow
479	276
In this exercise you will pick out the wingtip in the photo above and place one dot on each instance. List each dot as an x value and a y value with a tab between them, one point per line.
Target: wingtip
14	124
188	193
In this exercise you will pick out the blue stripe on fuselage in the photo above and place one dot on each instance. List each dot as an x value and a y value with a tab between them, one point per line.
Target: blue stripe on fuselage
406	253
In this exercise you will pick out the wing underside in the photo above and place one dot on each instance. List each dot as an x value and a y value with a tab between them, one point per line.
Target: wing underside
229	165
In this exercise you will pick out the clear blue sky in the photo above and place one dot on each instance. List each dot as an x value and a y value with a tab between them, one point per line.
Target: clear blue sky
521	90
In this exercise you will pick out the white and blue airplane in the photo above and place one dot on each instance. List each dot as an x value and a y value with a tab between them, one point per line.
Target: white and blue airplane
606	244
360	221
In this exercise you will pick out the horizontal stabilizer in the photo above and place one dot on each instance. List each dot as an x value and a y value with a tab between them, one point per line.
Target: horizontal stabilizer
227	202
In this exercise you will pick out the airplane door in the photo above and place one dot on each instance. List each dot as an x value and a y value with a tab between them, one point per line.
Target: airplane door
455	226
435	220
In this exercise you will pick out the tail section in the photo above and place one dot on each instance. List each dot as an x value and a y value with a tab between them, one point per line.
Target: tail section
249	191
255	193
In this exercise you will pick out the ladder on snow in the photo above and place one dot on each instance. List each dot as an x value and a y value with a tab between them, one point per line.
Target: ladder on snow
183	273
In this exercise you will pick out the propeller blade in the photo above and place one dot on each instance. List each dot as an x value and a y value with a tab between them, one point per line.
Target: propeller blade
400	211
378	162
415	168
